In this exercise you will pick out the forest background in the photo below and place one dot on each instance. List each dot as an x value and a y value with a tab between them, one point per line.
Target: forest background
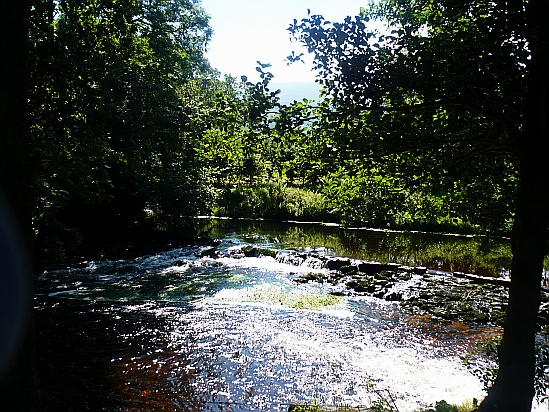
438	123
131	129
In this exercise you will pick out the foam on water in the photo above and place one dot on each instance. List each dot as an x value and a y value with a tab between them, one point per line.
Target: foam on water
240	331
287	355
266	264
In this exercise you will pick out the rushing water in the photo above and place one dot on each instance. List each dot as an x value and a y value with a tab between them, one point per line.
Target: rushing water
181	331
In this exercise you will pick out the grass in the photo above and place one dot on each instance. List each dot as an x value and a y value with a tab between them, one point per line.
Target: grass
443	406
316	407
382	401
266	293
273	201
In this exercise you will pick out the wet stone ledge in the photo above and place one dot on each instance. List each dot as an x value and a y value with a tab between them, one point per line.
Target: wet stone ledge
449	296
419	291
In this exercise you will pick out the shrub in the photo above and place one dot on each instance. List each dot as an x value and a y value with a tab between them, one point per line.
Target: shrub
303	204
273	201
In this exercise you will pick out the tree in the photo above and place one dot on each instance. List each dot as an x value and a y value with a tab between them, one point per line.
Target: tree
237	115
17	379
462	84
112	140
513	388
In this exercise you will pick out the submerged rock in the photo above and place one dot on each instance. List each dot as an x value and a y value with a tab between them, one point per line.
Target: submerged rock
441	295
209	251
451	296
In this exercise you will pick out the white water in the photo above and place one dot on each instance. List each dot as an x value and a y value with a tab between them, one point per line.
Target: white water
330	354
243	334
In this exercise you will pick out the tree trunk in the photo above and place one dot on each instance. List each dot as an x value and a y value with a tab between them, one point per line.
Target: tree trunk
513	389
17	377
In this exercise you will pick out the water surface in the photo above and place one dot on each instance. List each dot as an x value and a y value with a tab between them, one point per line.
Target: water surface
177	331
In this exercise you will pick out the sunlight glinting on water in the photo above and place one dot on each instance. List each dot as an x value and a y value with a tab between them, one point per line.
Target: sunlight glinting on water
203	332
285	355
329	362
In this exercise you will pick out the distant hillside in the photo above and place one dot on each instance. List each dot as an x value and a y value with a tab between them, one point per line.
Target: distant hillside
296	91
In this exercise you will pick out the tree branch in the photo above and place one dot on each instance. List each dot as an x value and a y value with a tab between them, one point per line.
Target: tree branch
499	117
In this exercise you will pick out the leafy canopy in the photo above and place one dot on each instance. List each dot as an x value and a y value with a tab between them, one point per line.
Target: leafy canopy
430	93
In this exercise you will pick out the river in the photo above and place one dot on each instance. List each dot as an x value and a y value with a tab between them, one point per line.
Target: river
189	330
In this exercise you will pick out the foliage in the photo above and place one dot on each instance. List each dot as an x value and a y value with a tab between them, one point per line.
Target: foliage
112	138
443	406
132	128
483	364
272	200
140	131
383	400
314	406
396	106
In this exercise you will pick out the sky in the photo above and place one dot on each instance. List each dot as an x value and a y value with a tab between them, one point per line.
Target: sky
246	31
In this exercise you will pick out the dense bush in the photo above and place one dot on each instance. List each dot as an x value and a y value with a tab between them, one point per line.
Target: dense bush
273	201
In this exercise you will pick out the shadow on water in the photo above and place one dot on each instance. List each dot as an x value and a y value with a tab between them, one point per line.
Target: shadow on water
97	357
101	344
184	331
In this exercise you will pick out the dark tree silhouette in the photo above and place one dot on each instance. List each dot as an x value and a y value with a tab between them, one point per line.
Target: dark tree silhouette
513	389
18	389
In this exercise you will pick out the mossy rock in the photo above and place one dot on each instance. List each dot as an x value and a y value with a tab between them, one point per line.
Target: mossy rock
347	269
310	277
361	286
268	252
385	275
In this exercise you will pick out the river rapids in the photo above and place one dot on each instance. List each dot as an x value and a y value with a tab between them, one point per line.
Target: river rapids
181	330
